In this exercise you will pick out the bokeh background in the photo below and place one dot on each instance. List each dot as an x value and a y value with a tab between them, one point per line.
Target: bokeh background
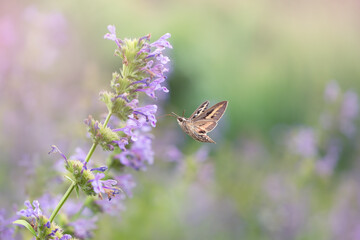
286	162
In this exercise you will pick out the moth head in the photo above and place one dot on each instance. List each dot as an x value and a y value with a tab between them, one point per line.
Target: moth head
180	120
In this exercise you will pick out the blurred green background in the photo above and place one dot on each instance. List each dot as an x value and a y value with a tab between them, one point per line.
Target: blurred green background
271	60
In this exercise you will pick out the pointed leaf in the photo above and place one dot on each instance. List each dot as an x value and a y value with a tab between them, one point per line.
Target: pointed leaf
27	225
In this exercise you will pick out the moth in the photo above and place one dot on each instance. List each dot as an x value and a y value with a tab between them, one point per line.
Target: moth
202	121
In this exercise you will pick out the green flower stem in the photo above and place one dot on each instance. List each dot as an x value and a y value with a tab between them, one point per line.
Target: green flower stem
62	201
91	151
72	186
107	119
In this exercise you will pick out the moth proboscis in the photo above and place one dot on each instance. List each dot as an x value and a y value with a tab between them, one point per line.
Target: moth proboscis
202	121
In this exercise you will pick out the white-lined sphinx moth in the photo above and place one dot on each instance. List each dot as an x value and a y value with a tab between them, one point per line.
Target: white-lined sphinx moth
202	121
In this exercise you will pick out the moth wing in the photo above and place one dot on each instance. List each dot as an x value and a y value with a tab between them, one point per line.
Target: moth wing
213	113
199	110
204	126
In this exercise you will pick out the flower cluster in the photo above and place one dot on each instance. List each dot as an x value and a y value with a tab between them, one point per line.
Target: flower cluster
337	128
125	132
42	227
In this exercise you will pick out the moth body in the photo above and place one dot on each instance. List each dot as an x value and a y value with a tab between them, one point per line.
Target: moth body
202	121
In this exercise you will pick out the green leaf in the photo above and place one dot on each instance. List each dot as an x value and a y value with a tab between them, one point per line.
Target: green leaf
27	225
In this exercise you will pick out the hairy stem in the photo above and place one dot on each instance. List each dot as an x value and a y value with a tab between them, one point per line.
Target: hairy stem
72	186
62	201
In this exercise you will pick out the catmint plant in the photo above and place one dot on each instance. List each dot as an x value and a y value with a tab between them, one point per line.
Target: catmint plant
142	72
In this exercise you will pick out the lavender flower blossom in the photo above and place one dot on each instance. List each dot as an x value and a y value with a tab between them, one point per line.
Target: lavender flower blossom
303	142
143	70
325	166
138	155
112	35
104	186
55	149
113	207
6	230
32	211
126	183
349	112
97	182
83	227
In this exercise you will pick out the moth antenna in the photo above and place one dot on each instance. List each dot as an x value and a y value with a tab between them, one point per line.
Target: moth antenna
169	115
183	113
174	115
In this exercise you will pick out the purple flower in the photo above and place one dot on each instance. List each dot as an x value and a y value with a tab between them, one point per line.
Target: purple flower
326	165
83	227
155	67
112	35
138	120
55	149
79	155
97	182
48	225
122	142
65	237
6	229
32	211
126	183
53	232
139	154
173	154
349	112
48	203
304	142
152	87
203	153
104	186
111	207
132	124
148	112
162	43
100	169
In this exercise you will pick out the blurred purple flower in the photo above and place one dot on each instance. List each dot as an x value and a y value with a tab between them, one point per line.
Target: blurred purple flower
304	142
349	112
344	215
173	153
139	154
79	155
126	183
64	237
202	154
112	207
48	203
326	165
122	143
83	227
6	227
